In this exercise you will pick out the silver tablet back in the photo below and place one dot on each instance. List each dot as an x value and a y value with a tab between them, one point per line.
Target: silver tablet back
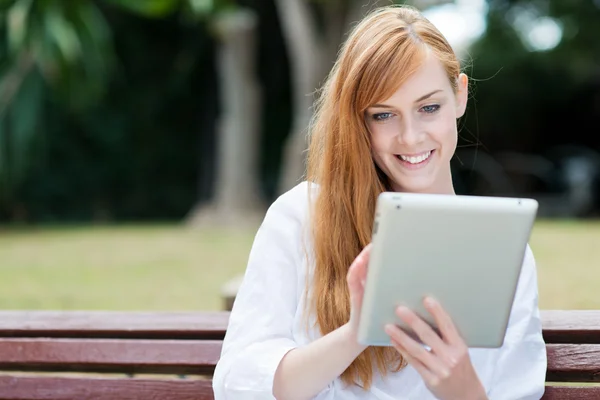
466	251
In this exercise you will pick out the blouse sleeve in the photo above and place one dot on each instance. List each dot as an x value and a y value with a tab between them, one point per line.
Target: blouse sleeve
520	367
261	322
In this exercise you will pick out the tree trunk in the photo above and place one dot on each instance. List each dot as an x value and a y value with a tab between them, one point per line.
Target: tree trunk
312	57
237	200
306	55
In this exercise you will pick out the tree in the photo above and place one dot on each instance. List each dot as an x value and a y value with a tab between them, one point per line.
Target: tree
68	49
533	101
63	50
237	201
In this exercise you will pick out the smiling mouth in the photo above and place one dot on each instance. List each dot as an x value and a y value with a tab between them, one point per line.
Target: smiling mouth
415	160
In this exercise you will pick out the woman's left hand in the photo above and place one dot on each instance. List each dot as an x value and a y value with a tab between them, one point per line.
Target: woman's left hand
446	369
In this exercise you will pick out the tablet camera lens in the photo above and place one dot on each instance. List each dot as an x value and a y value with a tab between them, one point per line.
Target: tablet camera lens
398	207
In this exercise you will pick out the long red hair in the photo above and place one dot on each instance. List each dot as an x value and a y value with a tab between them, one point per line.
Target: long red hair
382	51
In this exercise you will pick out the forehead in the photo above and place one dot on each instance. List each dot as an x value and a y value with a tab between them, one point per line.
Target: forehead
430	76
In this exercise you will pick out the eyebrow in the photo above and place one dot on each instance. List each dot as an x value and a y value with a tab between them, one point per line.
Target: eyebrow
428	95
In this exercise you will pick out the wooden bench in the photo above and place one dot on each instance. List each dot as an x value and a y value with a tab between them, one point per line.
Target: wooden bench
171	356
115	356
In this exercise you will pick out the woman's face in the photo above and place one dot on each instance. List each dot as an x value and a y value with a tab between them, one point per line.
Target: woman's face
414	133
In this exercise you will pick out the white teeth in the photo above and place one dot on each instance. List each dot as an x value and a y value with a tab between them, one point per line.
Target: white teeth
416	160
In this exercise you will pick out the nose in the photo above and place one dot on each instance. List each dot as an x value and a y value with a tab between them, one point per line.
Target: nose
411	133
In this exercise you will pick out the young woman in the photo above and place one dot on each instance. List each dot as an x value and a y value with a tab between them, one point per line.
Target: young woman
386	121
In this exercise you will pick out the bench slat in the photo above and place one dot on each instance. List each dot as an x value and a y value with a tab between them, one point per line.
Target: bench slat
571	393
110	355
55	388
102	324
571	326
573	362
560	326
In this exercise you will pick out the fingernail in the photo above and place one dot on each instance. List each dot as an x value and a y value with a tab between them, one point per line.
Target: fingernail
430	302
389	329
402	310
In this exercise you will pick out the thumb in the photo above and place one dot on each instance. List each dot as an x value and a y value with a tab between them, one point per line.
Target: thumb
358	272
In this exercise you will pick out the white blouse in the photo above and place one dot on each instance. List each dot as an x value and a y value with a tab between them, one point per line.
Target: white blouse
267	322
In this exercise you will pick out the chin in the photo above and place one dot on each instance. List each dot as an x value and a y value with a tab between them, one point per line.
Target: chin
416	187
430	180
422	184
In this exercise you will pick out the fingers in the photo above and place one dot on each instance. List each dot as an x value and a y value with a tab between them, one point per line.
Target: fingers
437	373
443	321
358	269
449	358
363	257
422	329
356	278
365	254
416	364
415	351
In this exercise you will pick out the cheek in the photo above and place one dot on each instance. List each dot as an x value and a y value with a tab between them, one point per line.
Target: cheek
380	142
444	130
383	136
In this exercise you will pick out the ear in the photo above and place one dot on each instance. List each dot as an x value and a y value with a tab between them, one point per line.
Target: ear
462	94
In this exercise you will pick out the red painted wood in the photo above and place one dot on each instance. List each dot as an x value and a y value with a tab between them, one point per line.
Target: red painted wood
560	326
180	343
573	362
110	355
572	393
54	388
101	324
571	326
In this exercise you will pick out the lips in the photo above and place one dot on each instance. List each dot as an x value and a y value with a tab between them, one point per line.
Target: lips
415	159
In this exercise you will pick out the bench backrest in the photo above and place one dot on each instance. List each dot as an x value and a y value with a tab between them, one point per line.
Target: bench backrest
171	356
112	356
573	349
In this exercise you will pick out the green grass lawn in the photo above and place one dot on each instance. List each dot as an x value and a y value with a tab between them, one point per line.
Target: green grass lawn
118	268
170	267
568	261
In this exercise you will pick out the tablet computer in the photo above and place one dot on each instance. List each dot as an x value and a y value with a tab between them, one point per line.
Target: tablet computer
465	251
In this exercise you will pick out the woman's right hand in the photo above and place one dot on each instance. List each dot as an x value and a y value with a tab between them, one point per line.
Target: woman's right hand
357	275
306	371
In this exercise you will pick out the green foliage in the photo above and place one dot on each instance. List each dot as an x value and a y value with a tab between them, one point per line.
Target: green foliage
133	155
61	51
71	46
164	8
108	107
52	49
148	8
533	100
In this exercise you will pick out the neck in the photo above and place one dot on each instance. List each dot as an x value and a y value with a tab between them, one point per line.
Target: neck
444	185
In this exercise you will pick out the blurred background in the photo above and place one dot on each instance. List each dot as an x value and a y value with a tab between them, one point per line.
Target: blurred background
141	141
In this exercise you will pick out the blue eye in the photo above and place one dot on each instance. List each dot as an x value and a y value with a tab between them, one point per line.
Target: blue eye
430	109
382	116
